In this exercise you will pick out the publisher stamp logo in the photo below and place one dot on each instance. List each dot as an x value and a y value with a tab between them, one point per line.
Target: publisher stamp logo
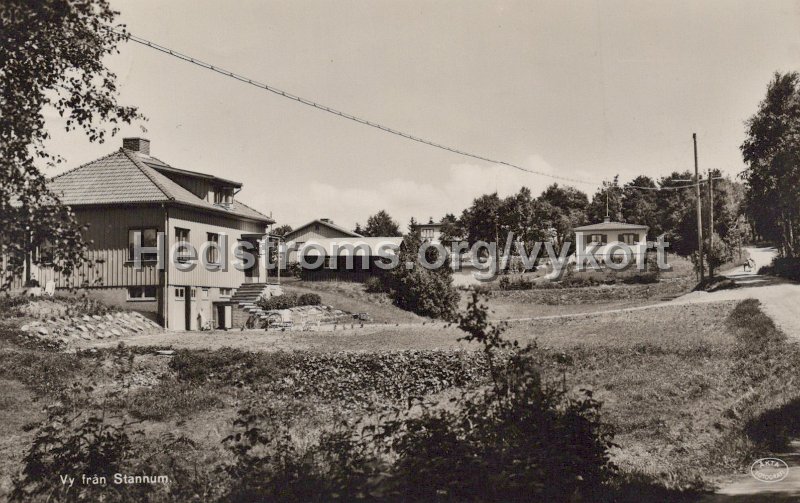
769	470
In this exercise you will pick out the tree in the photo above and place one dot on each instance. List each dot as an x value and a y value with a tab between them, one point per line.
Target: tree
358	230
525	216
51	58
772	154
676	213
452	229
282	230
565	208
381	225
640	206
611	195
481	221
714	255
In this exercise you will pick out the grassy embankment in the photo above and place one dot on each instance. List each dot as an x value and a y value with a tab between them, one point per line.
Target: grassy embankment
694	392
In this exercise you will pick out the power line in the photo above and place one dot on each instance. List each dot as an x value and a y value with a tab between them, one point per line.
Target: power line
355	118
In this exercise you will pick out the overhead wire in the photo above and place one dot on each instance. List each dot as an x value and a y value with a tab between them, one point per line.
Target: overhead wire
360	120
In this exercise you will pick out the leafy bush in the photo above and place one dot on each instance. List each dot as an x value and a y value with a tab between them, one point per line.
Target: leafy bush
309	299
374	284
520	439
277	302
516	282
787	268
426	292
289	300
269	466
767	269
74	445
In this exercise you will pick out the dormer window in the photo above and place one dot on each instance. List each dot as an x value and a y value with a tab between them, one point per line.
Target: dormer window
224	196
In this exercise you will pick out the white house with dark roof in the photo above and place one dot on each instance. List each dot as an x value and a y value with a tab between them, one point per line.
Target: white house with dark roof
603	241
130	192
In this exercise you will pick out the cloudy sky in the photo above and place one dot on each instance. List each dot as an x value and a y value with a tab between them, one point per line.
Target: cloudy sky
585	89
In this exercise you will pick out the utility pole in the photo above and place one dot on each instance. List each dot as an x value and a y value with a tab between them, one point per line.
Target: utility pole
699	210
710	220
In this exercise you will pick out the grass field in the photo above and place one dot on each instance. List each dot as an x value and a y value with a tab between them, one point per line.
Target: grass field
684	389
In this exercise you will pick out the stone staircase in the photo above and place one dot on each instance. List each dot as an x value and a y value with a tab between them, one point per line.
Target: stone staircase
245	298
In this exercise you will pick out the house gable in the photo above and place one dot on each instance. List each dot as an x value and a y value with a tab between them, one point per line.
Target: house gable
317	229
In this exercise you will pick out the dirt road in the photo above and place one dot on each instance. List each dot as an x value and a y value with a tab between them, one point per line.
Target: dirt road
780	299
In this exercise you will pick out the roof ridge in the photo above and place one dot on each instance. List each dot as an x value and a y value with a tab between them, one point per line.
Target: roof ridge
145	170
339	227
84	165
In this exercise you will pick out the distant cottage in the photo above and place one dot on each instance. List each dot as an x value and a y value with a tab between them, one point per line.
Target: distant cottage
602	240
321	228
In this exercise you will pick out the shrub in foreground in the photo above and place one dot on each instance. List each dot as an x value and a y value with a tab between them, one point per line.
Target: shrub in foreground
426	292
289	300
278	302
520	439
309	299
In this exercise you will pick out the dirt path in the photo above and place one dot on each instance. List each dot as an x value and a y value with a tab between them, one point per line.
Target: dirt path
780	298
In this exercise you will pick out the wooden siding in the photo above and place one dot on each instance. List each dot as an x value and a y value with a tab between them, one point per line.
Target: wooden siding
199	224
109	265
340	272
107	234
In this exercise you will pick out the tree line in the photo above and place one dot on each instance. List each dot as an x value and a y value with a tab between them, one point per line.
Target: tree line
555	213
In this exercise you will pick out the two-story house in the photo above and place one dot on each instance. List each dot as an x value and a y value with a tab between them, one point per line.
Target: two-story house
130	193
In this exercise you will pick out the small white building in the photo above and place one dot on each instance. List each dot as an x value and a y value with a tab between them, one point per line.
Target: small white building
606	241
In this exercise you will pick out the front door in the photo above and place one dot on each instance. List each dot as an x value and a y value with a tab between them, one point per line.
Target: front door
221	322
178	305
251	273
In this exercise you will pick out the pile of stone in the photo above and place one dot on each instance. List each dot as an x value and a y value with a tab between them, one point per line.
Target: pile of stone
305	316
66	329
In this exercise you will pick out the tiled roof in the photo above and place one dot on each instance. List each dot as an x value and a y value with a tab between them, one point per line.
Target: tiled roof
607	226
123	178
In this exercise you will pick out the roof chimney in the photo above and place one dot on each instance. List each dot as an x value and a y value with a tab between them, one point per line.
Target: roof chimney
137	145
326	220
606	219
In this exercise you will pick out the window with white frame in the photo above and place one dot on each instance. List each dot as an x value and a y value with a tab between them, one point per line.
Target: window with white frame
182	239
148	238
596	238
212	252
223	196
628	238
